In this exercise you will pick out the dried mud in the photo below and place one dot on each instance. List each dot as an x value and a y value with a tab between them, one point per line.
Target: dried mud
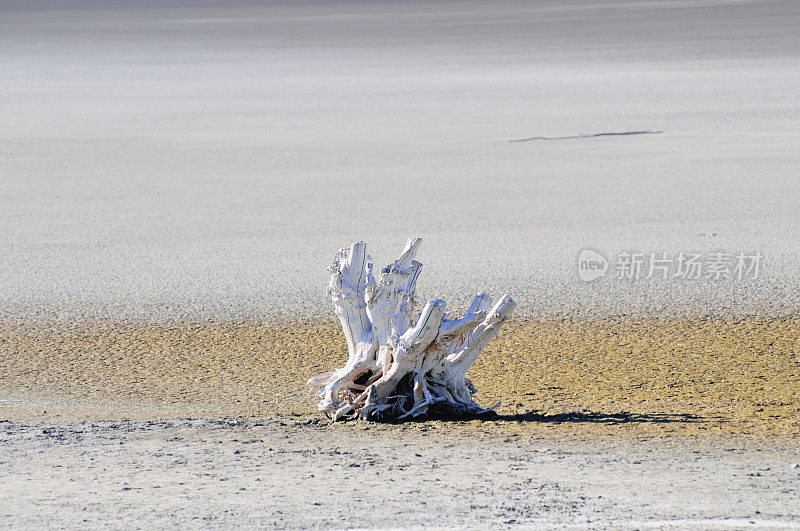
584	378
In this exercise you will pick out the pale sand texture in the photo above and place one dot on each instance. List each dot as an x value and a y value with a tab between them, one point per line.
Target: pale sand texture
206	161
294	473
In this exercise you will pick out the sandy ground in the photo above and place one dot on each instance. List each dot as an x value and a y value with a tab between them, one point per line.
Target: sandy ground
290	472
641	377
625	423
174	179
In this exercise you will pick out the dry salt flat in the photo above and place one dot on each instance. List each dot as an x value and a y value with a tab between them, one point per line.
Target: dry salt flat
174	180
206	161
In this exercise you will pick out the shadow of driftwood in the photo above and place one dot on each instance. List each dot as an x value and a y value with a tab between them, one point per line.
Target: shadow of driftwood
595	417
567	417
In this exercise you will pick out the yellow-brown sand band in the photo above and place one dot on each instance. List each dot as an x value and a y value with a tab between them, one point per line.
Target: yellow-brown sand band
628	376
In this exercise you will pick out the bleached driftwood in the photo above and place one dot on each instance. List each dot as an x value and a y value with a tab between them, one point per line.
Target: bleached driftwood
395	371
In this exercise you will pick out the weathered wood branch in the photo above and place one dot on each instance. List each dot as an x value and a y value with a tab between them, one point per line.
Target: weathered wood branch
395	371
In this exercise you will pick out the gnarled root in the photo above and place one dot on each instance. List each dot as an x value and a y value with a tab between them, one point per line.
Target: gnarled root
395	371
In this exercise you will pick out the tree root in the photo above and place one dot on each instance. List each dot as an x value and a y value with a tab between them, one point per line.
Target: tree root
395	371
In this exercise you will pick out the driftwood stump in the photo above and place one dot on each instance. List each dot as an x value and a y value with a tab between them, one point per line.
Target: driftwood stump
395	371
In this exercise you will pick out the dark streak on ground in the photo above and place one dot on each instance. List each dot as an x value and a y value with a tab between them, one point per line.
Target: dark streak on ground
590	135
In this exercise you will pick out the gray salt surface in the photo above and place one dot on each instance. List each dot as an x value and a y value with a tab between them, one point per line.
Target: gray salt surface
303	473
205	161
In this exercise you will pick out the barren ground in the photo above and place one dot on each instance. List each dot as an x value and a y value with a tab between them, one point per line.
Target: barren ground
174	179
632	423
300	472
656	377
